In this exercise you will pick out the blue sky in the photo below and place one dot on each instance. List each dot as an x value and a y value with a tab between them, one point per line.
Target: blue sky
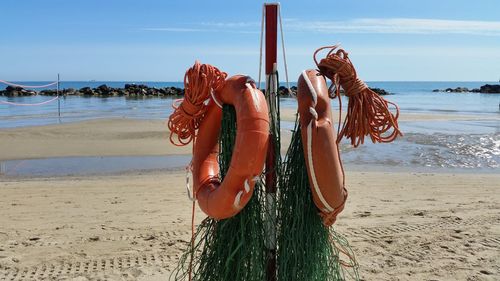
152	40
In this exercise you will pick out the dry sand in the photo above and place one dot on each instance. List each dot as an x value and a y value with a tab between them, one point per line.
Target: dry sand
402	226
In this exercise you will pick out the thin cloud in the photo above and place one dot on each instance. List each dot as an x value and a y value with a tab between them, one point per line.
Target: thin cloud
232	24
173	29
215	29
400	26
363	25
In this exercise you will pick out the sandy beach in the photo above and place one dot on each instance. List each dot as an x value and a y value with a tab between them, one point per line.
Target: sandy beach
134	226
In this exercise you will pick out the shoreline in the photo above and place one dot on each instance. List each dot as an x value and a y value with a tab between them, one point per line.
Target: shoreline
363	168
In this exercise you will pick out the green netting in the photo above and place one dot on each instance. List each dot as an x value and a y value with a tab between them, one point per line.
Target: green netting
230	249
307	250
235	249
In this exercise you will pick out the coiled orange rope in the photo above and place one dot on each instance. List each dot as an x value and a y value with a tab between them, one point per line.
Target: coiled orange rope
367	112
199	82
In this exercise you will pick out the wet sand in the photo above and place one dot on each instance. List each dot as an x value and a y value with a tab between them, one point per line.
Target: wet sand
127	137
100	137
402	225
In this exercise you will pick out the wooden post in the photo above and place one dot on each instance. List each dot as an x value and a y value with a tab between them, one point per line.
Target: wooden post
271	32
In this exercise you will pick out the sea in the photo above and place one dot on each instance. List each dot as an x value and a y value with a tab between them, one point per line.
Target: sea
471	144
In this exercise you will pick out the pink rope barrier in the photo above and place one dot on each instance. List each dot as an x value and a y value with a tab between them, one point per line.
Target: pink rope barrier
28	104
27	86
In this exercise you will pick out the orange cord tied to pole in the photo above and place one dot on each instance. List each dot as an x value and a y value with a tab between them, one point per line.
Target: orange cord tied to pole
367	112
200	81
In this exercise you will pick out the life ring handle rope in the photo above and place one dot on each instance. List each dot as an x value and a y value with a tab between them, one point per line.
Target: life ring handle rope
310	161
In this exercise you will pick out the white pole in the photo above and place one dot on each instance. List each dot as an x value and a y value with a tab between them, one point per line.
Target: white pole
58	100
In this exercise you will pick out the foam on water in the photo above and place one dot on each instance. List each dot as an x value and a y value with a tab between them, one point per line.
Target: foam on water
420	151
427	146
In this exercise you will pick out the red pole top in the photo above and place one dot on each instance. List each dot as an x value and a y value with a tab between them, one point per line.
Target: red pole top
271	13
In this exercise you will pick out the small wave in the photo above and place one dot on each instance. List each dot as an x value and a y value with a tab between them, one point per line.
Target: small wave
477	151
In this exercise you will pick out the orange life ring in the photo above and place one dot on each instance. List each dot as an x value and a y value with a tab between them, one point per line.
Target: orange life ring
224	199
324	166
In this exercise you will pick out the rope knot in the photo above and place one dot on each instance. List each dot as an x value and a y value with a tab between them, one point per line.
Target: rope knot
353	86
199	82
368	113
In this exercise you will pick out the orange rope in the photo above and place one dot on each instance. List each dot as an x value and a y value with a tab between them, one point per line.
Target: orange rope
367	112
199	81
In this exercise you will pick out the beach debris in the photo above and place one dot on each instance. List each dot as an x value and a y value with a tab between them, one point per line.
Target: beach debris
149	238
94	238
365	214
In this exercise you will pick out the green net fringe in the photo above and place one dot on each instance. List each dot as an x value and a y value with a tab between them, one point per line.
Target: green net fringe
307	250
230	249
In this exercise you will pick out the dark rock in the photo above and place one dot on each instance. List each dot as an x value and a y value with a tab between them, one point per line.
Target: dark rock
284	91
456	90
48	93
379	91
103	90
121	92
490	89
70	92
461	90
129	90
12	91
436	90
25	92
86	91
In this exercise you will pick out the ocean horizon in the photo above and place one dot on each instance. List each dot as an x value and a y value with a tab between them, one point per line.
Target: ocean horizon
395	85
